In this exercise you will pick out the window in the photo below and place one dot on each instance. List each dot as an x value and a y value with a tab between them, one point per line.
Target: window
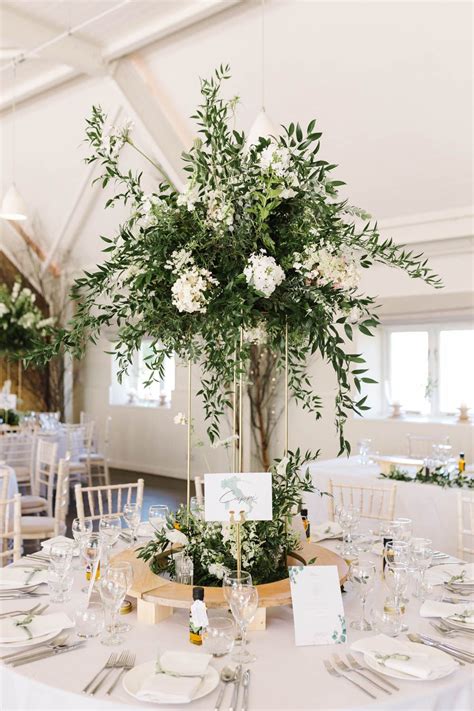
132	390
428	368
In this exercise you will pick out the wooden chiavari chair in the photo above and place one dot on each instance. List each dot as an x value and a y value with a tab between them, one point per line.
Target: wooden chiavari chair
103	500
41	527
374	502
41	500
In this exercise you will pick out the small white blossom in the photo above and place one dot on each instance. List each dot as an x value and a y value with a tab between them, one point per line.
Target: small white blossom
218	570
323	266
175	536
224	442
281	466
180	419
287	193
27	320
257	335
3	309
189	197
263	273
179	259
189	290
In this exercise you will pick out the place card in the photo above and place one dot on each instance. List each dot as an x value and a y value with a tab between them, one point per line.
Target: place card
318	612
248	492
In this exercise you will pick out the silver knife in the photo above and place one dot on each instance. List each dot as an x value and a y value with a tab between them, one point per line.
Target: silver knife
235	693
45	655
245	684
448	650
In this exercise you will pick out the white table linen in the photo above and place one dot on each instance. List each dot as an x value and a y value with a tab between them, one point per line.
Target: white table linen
283	677
432	508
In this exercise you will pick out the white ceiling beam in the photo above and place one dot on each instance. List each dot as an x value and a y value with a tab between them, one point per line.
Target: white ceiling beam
155	114
28	33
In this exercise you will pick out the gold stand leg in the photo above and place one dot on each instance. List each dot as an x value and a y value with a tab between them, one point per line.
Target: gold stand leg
20	374
188	461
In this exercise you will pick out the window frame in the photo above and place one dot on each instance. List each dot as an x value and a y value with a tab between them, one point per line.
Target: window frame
434	330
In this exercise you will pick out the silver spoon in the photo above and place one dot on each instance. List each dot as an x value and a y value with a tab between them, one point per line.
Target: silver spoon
227	675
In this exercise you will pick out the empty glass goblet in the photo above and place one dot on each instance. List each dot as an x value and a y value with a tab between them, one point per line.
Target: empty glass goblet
362	576
244	605
348	517
421	555
112	591
233	579
60	556
122	567
132	515
219	636
80	528
157	515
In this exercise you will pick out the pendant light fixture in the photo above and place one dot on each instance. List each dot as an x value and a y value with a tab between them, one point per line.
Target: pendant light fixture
13	206
262	127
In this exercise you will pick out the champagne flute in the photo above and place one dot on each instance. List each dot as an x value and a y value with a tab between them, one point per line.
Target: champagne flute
112	591
132	514
362	576
244	605
157	515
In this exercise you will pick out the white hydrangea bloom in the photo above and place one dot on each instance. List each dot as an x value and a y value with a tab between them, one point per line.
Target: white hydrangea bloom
257	335
324	266
27	320
218	570
189	290
189	197
3	309
263	273
179	259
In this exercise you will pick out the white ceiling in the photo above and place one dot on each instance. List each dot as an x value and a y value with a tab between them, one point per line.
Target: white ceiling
389	82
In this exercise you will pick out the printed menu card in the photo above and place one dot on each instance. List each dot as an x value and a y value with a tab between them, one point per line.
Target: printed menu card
318	612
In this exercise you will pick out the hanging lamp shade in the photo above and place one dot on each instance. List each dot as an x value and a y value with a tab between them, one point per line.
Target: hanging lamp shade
262	127
13	206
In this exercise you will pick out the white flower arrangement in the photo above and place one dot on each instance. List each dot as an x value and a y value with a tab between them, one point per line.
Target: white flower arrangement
188	293
22	323
263	273
175	536
325	266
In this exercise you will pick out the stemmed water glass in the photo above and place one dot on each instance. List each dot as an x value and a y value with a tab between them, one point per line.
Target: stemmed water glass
421	555
122	567
243	604
132	514
60	579
233	579
348	517
91	550
404	528
113	587
110	526
81	528
397	576
157	515
362	576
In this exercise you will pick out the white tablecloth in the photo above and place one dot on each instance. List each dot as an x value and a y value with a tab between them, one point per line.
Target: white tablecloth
283	677
432	508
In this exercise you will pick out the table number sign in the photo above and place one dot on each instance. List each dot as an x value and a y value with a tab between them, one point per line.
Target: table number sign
247	492
318	612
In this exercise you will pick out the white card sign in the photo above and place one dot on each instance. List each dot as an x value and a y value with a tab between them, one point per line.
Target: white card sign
249	492
318	612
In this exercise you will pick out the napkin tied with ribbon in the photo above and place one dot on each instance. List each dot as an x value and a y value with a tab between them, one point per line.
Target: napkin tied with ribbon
177	677
328	529
433	608
23	628
20	575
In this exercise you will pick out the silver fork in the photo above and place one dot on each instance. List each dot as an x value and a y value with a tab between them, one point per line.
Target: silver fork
126	666
448	631
108	664
360	667
334	672
33	610
118	664
340	664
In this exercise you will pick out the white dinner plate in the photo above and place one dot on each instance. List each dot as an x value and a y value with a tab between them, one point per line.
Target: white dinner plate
429	651
23	588
468	626
133	680
29	642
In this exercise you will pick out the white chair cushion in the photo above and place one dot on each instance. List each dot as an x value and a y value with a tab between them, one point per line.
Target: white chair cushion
31	525
33	502
22	473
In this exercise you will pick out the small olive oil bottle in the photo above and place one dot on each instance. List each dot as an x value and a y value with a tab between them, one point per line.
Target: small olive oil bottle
195	632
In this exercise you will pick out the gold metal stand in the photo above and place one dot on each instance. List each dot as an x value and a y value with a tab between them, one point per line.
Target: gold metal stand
188	463
241	399
286	389
234	415
20	374
238	543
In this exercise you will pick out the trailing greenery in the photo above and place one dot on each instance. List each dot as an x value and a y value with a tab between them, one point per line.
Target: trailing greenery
449	477
259	240
212	546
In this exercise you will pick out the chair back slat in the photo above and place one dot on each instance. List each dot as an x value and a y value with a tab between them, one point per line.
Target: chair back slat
374	502
44	471
113	496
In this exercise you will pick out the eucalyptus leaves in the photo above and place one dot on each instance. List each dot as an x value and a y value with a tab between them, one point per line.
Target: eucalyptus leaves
259	239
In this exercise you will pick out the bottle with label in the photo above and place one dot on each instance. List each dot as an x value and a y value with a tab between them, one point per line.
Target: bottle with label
306	523
462	463
197	616
89	569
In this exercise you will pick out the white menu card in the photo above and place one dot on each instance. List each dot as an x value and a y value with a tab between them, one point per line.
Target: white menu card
248	492
318	612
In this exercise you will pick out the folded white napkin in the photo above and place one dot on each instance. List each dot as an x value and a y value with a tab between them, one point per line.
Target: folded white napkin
46	545
12	631
402	657
163	687
433	608
18	575
440	574
328	529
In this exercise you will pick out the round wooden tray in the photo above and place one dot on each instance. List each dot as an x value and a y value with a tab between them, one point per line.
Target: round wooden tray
170	594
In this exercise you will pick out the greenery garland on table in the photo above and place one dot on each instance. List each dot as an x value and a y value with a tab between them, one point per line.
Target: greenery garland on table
258	244
449	477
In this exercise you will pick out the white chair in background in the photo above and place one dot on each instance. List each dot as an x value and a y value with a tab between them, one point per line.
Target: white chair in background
43	479
17	449
103	500
374	502
98	461
10	529
41	527
465	524
79	445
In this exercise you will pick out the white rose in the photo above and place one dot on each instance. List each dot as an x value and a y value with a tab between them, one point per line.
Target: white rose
218	570
175	536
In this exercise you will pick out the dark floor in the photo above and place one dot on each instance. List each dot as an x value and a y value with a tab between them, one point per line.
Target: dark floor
158	490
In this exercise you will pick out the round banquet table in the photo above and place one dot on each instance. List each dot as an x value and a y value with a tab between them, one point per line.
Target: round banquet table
283	677
432	508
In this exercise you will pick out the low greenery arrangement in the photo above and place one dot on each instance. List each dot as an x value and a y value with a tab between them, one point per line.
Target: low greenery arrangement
212	546
449	477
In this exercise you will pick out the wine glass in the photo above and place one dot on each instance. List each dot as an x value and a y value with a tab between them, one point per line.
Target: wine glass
132	514
362	576
157	515
122	567
113	587
80	528
404	528
232	579
110	526
397	576
364	450
421	555
243	604
91	550
348	517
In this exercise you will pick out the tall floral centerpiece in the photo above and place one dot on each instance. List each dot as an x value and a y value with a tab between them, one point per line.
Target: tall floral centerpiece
259	246
21	321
